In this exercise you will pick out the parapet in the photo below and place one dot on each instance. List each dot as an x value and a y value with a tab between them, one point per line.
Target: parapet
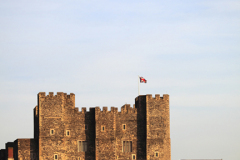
41	94
59	94
105	110
126	108
83	110
157	97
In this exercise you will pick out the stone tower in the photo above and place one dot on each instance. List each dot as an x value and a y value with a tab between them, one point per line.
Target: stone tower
153	127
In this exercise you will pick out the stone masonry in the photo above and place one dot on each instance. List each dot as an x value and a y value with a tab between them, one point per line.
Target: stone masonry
62	132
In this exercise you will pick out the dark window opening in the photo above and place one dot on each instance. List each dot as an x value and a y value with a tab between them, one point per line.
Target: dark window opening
156	154
127	146
82	146
103	128
52	131
133	156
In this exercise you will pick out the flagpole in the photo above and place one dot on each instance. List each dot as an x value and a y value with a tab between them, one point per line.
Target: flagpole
138	87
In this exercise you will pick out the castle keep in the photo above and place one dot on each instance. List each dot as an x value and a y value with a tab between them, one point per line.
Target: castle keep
62	132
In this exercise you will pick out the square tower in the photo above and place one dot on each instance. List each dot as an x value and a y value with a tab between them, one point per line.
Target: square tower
153	127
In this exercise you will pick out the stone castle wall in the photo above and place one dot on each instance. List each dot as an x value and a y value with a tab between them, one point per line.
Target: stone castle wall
61	131
25	149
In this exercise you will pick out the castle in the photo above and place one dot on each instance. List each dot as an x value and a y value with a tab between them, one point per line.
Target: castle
62	132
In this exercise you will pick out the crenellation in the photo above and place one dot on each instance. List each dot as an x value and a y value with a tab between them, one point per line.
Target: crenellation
42	94
92	110
127	109
60	94
97	109
105	109
114	110
51	94
123	110
157	96
149	97
76	109
165	97
83	109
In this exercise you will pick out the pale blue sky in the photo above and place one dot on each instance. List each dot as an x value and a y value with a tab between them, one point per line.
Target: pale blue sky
96	49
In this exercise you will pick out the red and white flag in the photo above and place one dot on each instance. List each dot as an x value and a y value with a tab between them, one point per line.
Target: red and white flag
142	80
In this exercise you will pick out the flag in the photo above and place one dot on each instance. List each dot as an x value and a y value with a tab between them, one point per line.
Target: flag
142	80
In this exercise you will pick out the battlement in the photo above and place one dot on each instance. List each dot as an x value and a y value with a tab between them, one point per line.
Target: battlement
125	109
157	97
83	110
128	109
59	94
105	109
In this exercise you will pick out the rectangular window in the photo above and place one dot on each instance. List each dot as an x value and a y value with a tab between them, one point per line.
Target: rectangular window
51	131
127	146
55	156
124	126
102	128
68	132
82	146
156	154
133	156
86	127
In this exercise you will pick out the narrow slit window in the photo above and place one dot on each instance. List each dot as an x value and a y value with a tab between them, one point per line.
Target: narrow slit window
124	126
52	131
156	154
86	127
103	128
55	156
133	156
67	132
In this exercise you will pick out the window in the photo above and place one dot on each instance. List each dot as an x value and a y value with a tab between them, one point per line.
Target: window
124	126
103	128
86	127
67	132
55	156
156	154
82	146
133	156
127	146
52	131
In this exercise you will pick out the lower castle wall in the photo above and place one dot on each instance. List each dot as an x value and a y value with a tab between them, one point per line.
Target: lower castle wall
2	154
25	149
